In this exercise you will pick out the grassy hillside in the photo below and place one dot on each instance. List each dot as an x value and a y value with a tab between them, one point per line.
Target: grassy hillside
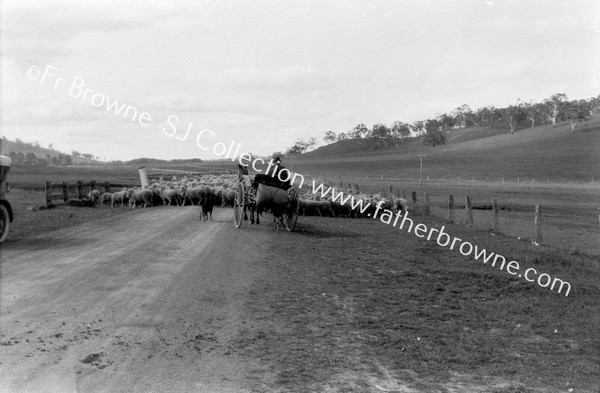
541	153
40	152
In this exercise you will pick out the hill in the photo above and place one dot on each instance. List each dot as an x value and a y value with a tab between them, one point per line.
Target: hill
24	148
542	153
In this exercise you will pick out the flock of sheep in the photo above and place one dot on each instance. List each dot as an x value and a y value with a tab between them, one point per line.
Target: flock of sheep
210	190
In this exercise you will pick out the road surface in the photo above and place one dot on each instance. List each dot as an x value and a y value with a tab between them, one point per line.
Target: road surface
148	302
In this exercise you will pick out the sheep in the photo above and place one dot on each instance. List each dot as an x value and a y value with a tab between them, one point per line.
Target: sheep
400	204
168	195
120	196
194	195
94	195
140	196
106	197
313	208
228	197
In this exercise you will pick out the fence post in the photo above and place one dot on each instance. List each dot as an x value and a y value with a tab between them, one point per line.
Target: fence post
538	223
92	185
353	187
65	191
450	208
48	194
358	188
426	197
403	194
414	196
391	191
495	211
79	189
106	186
469	208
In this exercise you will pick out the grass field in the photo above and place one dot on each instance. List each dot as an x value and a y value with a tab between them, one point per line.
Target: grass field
364	299
541	153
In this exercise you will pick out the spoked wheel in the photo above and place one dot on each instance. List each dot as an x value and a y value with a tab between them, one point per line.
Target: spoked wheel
238	206
291	216
4	223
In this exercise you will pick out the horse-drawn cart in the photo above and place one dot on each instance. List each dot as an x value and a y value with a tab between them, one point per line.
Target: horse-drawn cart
283	204
6	213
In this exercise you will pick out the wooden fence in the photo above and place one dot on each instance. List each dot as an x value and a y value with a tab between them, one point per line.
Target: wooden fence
64	191
424	207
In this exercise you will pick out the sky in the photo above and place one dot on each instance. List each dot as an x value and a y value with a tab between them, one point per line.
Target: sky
172	80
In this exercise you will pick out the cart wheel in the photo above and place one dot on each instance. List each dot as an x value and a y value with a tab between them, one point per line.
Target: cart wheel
238	206
4	223
291	216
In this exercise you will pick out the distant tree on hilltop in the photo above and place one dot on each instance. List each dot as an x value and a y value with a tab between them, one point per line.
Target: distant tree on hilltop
513	115
300	147
381	134
359	131
554	106
577	111
433	133
330	137
400	131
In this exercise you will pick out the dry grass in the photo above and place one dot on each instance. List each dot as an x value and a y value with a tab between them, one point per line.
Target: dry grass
30	220
370	301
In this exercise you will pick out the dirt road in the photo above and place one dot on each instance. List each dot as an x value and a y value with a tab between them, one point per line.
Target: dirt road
155	298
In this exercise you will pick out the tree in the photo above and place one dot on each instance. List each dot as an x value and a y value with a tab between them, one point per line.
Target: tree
531	111
433	133
30	159
418	127
554	106
50	146
496	116
446	121
13	156
20	159
484	115
463	116
301	146
577	111
380	133
330	137
75	153
513	115
87	156
342	136
359	131
55	161
400	131
68	160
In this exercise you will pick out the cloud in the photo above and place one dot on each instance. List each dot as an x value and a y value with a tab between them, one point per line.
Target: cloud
45	31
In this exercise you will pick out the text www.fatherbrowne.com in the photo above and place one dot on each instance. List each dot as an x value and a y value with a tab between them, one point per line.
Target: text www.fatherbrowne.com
444	240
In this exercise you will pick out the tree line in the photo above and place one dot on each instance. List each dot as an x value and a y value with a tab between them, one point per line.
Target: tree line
19	158
553	110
